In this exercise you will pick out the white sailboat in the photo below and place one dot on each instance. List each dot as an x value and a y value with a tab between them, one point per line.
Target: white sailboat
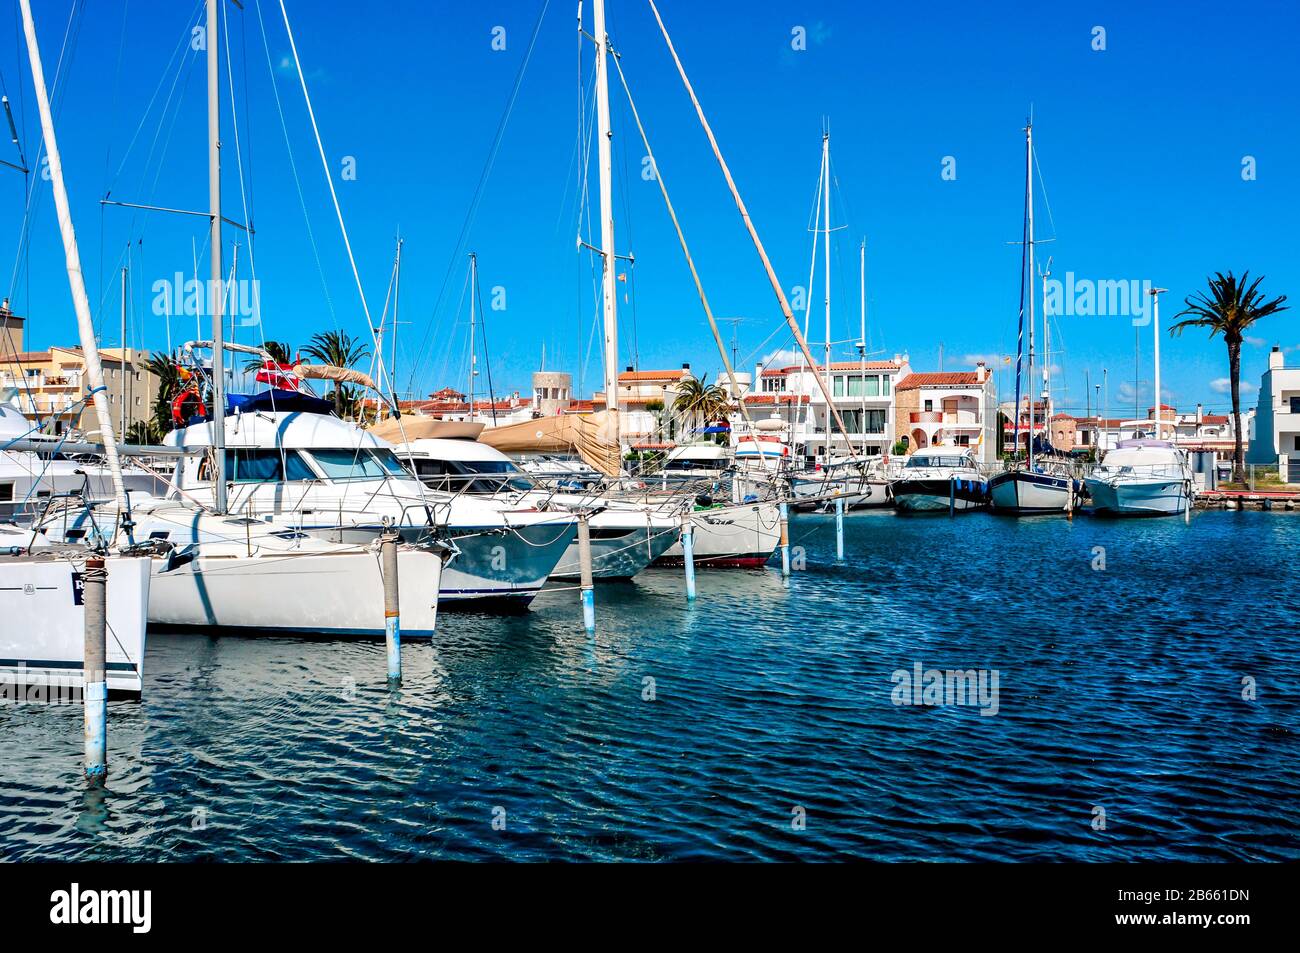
44	639
1044	482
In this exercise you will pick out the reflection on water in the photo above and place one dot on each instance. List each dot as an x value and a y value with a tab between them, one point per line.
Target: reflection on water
759	723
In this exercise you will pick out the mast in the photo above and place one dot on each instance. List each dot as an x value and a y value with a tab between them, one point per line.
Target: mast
1155	322
473	354
1047	355
1029	239
604	135
862	339
397	297
826	224
123	361
216	292
76	281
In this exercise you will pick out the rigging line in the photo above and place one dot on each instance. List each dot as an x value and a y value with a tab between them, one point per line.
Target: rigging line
117	87
293	167
1046	204
749	224
681	237
487	359
472	210
243	193
179	51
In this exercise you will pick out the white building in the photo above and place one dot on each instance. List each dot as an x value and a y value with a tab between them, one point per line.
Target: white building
1275	434
862	394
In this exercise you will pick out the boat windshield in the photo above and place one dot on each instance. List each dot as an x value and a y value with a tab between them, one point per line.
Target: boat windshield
929	462
473	476
361	463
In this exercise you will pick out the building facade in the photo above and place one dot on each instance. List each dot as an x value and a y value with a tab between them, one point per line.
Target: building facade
948	408
1275	436
49	388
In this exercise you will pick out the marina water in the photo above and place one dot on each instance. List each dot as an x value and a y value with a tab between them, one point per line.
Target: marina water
1146	709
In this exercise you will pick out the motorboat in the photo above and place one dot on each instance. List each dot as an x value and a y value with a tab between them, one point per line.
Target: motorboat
1142	477
940	478
625	536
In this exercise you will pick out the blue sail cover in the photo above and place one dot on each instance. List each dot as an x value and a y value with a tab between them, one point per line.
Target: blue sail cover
285	401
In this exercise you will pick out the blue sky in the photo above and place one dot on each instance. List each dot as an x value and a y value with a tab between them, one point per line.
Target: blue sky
1140	145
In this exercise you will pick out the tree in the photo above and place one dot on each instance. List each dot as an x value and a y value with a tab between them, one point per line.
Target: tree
1230	308
170	384
341	350
279	351
699	400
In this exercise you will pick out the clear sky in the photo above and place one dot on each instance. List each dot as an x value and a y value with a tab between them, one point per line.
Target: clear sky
1141	147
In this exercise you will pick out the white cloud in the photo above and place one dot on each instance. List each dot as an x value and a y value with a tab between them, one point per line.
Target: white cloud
1254	342
1223	385
785	357
990	360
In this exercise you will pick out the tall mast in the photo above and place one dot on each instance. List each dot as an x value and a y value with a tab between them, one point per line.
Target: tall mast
826	224
216	290
1029	238
1155	321
123	361
1047	353
862	338
76	281
397	297
605	156
473	353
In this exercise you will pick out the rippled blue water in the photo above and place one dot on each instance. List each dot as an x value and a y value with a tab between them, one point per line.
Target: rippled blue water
1119	689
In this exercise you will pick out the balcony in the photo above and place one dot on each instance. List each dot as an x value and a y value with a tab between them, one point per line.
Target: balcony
926	417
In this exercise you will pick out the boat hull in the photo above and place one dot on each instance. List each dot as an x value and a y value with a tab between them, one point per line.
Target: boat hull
742	536
1022	493
1139	497
330	594
938	494
43	639
618	552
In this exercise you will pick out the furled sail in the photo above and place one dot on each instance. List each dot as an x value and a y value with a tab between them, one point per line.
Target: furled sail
593	436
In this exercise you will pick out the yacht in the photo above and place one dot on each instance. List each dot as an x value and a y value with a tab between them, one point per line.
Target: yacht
938	479
625	537
695	462
862	482
1142	477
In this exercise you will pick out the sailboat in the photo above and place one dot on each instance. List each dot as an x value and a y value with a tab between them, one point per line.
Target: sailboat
43	641
1044	482
1144	476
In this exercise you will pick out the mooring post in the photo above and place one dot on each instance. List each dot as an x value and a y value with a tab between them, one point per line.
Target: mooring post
785	539
584	562
952	495
388	541
94	692
839	528
688	554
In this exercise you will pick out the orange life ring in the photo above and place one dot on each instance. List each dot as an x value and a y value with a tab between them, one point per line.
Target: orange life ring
188	396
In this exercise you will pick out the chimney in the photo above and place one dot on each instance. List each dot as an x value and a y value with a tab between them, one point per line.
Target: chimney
1275	359
981	372
686	365
629	368
1200	414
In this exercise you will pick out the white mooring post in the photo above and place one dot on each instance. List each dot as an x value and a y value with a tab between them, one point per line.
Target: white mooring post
785	539
584	562
388	541
839	528
94	692
688	555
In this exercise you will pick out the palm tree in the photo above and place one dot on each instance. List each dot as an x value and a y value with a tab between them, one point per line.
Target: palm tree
1229	309
699	400
170	384
339	349
279	351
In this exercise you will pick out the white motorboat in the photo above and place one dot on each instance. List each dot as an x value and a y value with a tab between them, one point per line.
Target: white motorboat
625	536
1142	477
693	463
940	479
730	535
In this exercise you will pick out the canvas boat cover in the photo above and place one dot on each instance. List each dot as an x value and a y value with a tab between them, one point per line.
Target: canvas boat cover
593	436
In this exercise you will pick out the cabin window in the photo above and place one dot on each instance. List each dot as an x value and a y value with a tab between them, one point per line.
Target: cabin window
265	466
6	492
346	464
